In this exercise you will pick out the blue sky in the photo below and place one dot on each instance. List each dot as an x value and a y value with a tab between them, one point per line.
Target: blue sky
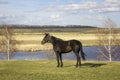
59	12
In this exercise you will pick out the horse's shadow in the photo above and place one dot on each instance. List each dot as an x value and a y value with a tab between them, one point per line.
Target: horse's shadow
90	65
93	64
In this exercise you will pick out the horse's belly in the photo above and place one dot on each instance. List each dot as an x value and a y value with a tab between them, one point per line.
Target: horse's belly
67	49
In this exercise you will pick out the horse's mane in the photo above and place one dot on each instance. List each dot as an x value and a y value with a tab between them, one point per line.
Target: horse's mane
55	38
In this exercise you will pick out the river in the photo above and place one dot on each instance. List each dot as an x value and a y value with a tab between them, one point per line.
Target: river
92	53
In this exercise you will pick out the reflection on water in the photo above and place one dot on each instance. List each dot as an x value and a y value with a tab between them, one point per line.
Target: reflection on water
91	52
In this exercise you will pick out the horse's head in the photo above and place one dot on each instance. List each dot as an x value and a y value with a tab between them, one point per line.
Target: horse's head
46	38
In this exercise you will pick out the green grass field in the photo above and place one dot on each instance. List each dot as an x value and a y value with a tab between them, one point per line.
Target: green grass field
47	70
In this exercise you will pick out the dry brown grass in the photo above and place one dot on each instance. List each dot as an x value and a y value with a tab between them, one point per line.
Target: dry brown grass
32	41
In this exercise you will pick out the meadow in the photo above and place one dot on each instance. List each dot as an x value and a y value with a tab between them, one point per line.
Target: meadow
47	70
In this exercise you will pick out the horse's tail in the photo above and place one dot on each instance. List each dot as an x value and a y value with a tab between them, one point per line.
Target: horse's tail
83	54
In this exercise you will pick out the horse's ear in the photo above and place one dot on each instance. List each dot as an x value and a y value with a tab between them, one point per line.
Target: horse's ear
47	34
43	33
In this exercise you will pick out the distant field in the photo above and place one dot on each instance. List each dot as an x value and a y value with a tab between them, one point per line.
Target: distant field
47	70
36	39
30	39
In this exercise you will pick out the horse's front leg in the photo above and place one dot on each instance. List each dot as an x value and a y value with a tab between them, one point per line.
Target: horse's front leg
61	59
57	56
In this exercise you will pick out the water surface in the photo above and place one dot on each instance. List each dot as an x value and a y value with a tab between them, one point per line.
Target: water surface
91	52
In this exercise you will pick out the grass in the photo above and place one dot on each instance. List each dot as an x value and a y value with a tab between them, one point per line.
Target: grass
47	70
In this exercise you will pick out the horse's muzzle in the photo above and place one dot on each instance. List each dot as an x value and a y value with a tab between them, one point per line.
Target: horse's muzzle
42	42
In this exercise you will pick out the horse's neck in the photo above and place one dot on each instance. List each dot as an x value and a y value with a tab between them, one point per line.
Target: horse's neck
55	40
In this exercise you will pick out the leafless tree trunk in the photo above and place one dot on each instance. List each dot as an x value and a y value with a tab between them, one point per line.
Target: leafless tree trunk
7	40
107	40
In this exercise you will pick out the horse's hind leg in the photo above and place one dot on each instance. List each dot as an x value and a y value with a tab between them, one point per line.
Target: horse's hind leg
78	59
76	50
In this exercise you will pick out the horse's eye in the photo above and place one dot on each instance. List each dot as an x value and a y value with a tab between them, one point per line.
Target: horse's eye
47	40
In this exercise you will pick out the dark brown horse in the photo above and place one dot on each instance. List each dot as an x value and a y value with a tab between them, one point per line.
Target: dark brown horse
60	46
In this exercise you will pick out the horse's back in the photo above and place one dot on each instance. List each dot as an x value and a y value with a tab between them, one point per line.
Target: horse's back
75	42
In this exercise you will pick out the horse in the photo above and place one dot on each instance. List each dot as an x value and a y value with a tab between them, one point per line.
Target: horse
60	46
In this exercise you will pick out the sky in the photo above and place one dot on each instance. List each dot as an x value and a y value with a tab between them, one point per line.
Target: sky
59	12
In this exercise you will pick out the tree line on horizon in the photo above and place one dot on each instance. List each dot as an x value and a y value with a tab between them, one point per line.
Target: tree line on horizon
49	26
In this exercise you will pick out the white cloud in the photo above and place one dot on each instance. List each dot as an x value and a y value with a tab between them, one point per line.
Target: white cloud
85	5
107	6
90	6
112	1
105	9
97	17
56	17
100	17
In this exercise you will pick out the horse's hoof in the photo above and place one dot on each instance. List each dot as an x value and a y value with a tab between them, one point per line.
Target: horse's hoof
61	65
76	65
57	65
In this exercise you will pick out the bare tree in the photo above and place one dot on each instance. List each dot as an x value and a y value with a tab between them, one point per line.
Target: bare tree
7	42
107	40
